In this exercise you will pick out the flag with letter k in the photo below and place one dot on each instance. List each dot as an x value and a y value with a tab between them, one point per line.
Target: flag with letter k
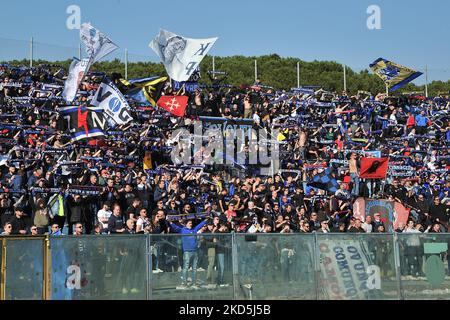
176	105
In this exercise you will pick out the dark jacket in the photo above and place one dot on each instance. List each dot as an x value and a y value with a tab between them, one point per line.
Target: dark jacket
114	223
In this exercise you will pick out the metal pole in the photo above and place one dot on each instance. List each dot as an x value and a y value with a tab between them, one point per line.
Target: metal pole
79	51
398	269
426	81
298	74
345	77
31	52
46	288
234	263
126	64
316	261
387	90
214	65
3	271
149	266
256	70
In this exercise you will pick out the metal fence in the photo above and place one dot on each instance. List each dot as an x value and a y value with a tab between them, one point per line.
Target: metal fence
228	266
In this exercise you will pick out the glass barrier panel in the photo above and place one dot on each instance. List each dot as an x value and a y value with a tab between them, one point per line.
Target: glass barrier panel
24	269
191	267
99	267
356	267
275	266
425	265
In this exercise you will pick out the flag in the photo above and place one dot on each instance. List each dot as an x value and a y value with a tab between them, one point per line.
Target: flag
374	168
109	99
147	161
176	105
78	68
394	75
325	181
145	90
180	56
97	44
401	214
282	135
82	122
392	213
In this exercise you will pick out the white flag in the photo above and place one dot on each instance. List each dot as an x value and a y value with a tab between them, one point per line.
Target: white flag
180	55
113	103
77	70
97	44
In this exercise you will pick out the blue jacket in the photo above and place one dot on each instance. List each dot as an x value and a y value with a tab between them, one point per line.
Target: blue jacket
421	121
188	243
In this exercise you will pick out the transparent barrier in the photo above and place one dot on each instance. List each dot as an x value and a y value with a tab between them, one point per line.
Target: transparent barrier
227	266
191	267
99	267
270	266
425	265
24	269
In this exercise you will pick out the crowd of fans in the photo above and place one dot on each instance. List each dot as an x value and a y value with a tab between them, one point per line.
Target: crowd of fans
53	184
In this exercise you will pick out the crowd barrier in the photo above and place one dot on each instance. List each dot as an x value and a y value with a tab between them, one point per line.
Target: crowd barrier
313	266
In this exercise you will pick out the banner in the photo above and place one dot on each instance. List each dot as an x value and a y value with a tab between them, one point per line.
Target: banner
109	99
176	217
97	44
188	86
374	168
81	122
77	70
394	75
392	212
180	55
344	270
227	126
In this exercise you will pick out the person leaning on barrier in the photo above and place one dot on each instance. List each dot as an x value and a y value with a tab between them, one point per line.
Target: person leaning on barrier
78	229
115	224
7	229
17	222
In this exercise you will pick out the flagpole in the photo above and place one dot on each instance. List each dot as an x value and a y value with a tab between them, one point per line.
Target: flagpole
298	74
79	51
126	64
256	70
426	81
214	65
387	90
345	77
31	52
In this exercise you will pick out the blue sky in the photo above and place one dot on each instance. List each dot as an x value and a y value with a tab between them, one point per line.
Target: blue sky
413	33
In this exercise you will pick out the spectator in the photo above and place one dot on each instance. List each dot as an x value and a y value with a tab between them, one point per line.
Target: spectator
190	253
17	222
115	223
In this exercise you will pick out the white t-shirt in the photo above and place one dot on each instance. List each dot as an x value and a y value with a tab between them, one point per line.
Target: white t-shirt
101	215
142	223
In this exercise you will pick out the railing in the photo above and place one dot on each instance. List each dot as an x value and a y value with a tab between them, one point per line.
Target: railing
229	266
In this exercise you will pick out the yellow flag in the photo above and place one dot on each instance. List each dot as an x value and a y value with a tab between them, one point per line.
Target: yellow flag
147	161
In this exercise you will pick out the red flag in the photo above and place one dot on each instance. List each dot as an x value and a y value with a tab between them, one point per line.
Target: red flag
374	168
174	104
